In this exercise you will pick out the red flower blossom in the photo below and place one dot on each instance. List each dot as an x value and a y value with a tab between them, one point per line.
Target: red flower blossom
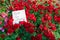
43	20
56	10
32	17
41	12
10	31
41	26
22	22
53	28
57	18
27	13
31	30
6	26
16	26
45	28
33	38
40	0
39	37
28	26
41	7
10	21
47	17
17	5
10	8
0	22
50	8
49	35
27	5
34	7
18	38
2	35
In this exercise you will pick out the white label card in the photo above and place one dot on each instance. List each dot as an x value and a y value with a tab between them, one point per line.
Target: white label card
19	16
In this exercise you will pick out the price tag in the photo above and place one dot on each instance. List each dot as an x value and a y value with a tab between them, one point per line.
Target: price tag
19	16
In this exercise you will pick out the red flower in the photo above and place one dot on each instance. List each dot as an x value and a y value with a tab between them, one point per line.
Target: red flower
29	1
22	22
6	26
41	7
34	7
10	8
43	20
57	4
41	26
49	35
10	21
18	38
50	2
40	0
10	31
33	38
16	26
32	17
53	28
45	28
17	5
39	37
0	22
41	12
27	13
48	17
50	8
28	26
2	36
31	30
56	10
27	5
57	18
16	0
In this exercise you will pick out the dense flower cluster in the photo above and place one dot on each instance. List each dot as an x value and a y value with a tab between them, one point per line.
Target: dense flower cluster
43	21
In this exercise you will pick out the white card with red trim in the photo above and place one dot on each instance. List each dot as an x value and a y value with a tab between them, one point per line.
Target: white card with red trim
19	16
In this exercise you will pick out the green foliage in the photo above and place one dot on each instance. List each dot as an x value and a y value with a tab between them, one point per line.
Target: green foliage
7	38
2	23
34	34
57	35
44	38
23	34
1	38
31	11
38	19
10	13
3	10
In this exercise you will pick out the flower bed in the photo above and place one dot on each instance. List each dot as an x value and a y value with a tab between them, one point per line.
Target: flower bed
43	20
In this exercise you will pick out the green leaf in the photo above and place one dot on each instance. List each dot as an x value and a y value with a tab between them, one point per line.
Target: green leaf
34	34
1	38
31	11
2	23
13	36
57	35
36	13
10	13
7	38
23	38
44	38
46	4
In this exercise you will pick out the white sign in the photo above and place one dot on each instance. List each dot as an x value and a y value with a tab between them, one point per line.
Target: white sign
19	16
